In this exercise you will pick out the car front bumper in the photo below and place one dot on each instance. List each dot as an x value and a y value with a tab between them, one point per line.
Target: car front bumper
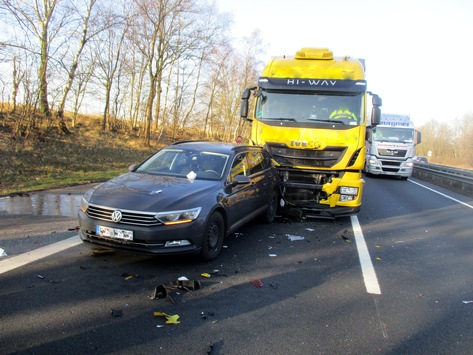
146	240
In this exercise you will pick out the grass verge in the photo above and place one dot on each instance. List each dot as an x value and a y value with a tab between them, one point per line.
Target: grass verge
40	162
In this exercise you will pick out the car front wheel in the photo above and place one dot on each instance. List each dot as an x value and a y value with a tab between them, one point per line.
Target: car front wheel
214	235
272	209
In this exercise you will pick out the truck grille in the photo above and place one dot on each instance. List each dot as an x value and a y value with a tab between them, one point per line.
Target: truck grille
395	153
390	166
136	218
306	157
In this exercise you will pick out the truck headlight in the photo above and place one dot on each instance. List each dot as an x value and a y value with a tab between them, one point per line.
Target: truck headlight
348	193
373	160
348	190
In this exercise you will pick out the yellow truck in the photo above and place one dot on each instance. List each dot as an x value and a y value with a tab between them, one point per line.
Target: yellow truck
310	113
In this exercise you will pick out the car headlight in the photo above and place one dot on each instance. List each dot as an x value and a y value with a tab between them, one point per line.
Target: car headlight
178	217
84	201
84	204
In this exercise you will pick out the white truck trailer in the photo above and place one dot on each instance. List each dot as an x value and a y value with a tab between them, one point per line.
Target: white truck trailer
390	146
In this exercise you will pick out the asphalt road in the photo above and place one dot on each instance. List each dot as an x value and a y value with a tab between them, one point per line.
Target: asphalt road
316	294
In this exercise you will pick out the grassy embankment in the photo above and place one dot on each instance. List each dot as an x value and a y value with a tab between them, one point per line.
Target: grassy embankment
42	161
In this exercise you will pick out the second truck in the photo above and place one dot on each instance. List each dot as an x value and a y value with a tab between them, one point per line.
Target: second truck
391	146
310	113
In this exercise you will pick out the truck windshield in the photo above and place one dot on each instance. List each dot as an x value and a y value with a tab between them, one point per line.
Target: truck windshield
393	134
310	107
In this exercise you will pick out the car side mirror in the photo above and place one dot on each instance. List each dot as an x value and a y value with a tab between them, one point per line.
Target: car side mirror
240	180
132	167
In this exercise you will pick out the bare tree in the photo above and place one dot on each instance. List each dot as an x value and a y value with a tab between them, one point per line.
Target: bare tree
73	68
37	21
108	51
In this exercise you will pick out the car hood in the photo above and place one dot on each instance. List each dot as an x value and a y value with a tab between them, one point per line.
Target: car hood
153	193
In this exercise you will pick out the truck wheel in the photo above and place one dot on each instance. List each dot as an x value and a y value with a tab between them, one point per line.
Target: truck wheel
214	235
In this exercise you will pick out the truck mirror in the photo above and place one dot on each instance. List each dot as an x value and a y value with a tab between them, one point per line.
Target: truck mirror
246	94
375	116
244	103
419	137
244	109
376	100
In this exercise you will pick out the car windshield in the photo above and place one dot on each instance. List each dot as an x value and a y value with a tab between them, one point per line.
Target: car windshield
393	134
190	164
310	107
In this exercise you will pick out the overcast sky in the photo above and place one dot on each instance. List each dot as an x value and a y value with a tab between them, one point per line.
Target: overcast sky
418	53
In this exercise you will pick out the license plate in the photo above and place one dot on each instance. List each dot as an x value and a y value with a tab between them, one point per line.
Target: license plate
114	233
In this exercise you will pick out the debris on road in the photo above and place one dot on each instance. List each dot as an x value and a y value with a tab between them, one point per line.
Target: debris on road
164	292
344	236
126	276
169	319
161	292
204	315
116	312
293	238
257	283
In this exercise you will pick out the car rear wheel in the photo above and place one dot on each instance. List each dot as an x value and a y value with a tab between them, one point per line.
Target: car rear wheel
214	235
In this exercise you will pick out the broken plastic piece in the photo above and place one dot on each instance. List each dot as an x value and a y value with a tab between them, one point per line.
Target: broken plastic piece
189	284
117	312
257	283
293	238
161	292
169	319
205	275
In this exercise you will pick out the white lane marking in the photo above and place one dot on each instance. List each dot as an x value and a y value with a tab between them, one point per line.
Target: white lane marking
36	254
369	275
437	192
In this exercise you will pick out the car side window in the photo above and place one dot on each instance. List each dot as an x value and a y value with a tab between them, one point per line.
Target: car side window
239	167
256	162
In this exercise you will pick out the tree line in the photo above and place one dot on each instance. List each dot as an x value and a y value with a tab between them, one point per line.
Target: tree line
449	144
152	66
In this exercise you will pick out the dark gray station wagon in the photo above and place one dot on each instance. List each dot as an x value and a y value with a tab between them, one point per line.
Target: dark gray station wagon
184	199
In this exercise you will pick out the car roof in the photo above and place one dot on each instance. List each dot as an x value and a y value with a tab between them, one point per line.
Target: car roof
218	147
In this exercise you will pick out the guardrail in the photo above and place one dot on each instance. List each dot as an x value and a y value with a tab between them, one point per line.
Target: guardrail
458	180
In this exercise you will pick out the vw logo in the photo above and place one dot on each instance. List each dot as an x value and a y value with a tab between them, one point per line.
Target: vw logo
117	216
